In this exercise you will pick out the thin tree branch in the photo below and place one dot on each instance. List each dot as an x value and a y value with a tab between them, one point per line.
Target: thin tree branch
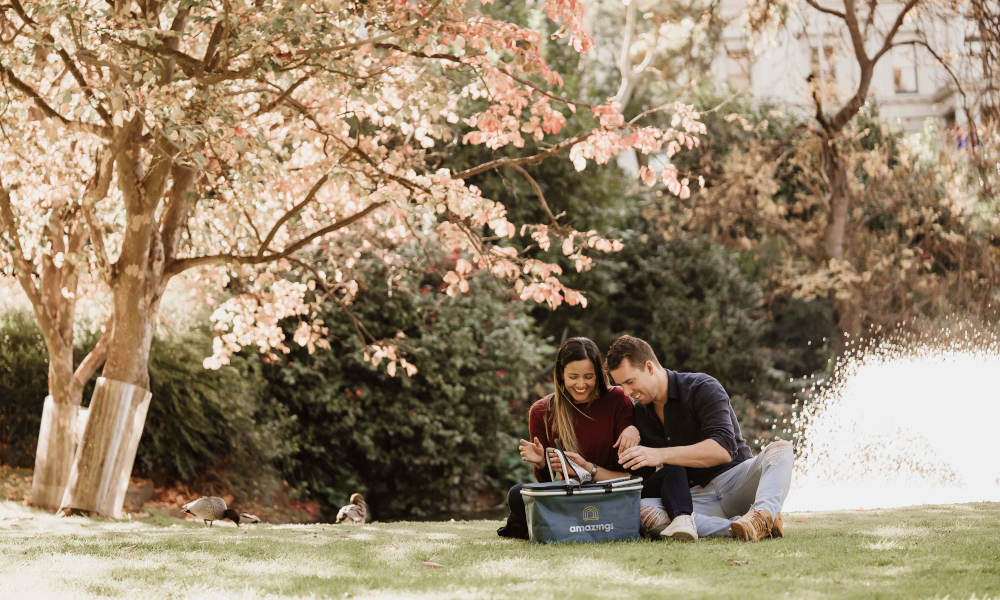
22	269
525	160
180	265
823	9
94	193
538	192
895	28
94	359
292	212
385	36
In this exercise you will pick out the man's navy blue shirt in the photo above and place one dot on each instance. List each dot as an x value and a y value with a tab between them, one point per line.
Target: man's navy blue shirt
698	408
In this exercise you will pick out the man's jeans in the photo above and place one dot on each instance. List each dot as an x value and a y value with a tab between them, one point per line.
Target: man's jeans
761	482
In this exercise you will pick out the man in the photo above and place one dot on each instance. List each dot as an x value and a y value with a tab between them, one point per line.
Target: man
687	420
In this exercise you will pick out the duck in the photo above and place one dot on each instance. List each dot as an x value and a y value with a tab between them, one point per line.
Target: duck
211	508
355	513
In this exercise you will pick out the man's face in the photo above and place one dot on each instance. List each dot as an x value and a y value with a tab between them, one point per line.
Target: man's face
637	381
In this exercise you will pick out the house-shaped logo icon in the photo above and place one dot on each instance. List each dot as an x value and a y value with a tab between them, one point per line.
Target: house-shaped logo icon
590	513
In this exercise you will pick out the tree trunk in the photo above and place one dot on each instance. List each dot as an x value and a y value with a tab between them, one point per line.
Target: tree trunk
56	440
840	201
104	461
100	474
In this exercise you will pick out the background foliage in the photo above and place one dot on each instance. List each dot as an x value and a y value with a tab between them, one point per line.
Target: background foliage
415	445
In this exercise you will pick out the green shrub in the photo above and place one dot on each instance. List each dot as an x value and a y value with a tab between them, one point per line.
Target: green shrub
418	445
206	423
688	299
24	368
199	421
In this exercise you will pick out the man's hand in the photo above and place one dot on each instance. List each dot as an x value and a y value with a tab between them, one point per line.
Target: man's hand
629	438
639	456
532	452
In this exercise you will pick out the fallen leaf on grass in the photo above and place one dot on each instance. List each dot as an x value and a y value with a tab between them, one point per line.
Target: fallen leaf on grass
432	565
395	547
129	548
800	519
734	561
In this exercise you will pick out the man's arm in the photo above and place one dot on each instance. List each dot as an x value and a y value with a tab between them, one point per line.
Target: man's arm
706	453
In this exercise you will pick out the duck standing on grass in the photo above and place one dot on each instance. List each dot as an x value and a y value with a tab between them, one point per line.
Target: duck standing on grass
355	513
211	508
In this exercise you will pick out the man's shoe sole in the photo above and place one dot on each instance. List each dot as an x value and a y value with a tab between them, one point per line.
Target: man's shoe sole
681	536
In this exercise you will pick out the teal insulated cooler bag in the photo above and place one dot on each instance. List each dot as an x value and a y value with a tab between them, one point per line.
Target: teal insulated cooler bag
570	511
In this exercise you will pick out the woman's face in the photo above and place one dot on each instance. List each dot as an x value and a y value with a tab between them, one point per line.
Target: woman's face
580	379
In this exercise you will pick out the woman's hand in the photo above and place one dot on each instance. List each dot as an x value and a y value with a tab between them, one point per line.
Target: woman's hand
532	452
572	456
629	438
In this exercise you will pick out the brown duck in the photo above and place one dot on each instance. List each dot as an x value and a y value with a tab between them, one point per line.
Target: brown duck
354	513
211	508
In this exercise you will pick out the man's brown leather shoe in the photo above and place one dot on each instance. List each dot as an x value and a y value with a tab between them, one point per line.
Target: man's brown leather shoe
778	527
753	526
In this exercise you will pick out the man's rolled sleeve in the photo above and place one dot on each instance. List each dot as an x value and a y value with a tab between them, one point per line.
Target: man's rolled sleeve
715	416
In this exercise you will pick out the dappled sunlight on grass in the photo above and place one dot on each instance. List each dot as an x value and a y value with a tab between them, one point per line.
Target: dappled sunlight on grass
893	531
892	553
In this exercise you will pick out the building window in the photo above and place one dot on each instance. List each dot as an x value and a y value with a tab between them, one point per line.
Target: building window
904	69
822	67
738	69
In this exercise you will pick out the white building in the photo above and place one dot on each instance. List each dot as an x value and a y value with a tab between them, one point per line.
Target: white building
908	83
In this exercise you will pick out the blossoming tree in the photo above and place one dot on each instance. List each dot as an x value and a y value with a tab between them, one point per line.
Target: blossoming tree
141	140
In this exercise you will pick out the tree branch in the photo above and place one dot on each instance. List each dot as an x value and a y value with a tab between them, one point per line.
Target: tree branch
99	189
294	210
104	132
385	36
538	192
180	265
94	359
22	269
895	28
823	9
526	160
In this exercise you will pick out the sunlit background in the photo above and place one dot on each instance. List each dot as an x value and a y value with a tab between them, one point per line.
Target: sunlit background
902	423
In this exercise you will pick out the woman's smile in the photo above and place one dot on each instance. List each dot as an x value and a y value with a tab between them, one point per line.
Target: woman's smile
580	380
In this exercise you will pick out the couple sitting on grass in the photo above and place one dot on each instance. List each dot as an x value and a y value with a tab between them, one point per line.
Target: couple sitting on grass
678	431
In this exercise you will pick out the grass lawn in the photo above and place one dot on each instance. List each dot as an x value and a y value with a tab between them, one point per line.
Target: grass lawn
923	552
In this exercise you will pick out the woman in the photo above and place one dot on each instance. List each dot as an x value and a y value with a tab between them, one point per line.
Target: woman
592	420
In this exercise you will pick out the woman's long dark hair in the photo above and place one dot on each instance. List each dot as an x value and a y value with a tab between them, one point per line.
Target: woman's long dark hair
560	417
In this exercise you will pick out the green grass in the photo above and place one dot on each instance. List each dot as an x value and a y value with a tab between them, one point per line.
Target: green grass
924	552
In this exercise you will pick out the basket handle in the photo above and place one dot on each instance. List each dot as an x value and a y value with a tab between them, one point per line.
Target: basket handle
562	459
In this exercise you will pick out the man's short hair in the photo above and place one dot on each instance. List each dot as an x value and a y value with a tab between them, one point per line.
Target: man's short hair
637	352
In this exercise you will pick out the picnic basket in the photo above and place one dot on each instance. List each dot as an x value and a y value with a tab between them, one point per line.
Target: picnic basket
571	511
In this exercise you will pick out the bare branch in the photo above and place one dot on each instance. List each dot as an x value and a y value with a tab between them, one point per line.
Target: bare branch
538	192
292	212
525	160
183	264
22	269
40	102
94	359
285	94
823	9
895	28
